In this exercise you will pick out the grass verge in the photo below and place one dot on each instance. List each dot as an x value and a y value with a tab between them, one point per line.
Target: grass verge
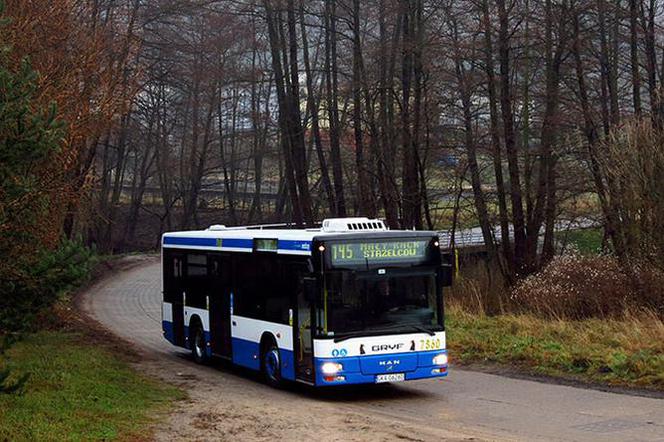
628	352
79	391
586	241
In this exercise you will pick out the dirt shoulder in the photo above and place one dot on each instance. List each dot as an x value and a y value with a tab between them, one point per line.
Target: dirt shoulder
219	409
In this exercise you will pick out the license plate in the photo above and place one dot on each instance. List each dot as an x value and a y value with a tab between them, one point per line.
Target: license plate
391	377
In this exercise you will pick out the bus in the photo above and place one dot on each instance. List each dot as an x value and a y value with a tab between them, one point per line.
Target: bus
349	302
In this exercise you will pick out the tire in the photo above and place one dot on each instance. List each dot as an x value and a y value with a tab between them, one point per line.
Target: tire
199	346
271	365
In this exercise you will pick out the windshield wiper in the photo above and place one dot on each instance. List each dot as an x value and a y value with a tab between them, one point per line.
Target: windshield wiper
357	335
424	330
416	327
378	331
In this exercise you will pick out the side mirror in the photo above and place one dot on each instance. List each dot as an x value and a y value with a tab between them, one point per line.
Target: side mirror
311	289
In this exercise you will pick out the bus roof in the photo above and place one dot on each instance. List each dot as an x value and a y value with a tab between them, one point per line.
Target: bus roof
289	241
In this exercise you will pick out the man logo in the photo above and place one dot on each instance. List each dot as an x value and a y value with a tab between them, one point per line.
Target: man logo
387	347
389	364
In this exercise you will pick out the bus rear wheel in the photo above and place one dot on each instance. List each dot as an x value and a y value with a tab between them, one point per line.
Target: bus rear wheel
271	365
198	346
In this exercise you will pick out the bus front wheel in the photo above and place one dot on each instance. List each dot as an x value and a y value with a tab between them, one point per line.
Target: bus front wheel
271	365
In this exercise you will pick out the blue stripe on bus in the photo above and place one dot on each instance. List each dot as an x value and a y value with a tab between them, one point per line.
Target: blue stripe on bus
287	364
208	339
246	353
183	241
289	244
167	327
239	243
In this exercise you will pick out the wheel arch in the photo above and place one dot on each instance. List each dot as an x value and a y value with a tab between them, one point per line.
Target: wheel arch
194	321
267	338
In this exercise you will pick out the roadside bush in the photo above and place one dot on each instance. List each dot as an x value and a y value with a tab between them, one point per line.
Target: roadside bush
631	163
478	284
29	289
578	287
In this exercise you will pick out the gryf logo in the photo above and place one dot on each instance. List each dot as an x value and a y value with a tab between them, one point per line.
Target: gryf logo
387	347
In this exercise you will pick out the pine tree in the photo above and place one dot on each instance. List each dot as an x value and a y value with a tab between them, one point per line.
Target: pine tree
29	137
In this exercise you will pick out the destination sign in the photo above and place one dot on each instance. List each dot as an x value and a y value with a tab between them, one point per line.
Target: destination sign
378	252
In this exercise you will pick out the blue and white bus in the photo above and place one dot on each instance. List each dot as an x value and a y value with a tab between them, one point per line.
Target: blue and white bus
350	302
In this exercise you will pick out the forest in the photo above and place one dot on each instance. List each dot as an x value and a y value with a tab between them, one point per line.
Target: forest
123	119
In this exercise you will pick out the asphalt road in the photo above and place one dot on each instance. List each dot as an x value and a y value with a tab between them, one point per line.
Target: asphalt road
469	404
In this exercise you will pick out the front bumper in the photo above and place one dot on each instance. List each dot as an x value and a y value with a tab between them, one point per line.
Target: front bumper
413	365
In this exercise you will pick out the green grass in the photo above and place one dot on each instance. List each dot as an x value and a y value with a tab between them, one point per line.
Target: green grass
79	391
586	241
627	352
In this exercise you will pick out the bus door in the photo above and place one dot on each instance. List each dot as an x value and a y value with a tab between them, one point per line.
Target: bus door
175	294
220	306
306	293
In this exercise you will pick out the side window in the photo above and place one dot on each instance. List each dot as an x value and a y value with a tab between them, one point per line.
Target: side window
215	267
173	276
246	299
265	285
177	267
277	293
196	285
197	265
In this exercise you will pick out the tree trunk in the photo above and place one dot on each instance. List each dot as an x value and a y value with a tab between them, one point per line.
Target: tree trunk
297	131
634	56
385	158
590	130
333	104
648	24
475	178
545	200
409	183
312	104
363	188
510	142
276	43
495	139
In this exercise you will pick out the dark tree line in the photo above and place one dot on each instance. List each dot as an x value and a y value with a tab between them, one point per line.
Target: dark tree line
292	110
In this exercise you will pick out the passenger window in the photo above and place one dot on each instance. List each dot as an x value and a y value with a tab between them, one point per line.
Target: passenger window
216	268
173	276
197	265
261	289
177	267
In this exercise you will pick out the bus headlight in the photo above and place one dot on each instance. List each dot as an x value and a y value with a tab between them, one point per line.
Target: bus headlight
331	368
440	359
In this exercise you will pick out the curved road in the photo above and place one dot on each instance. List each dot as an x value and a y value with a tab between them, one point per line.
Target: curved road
465	405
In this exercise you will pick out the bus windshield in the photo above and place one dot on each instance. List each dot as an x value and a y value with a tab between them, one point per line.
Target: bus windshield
401	301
